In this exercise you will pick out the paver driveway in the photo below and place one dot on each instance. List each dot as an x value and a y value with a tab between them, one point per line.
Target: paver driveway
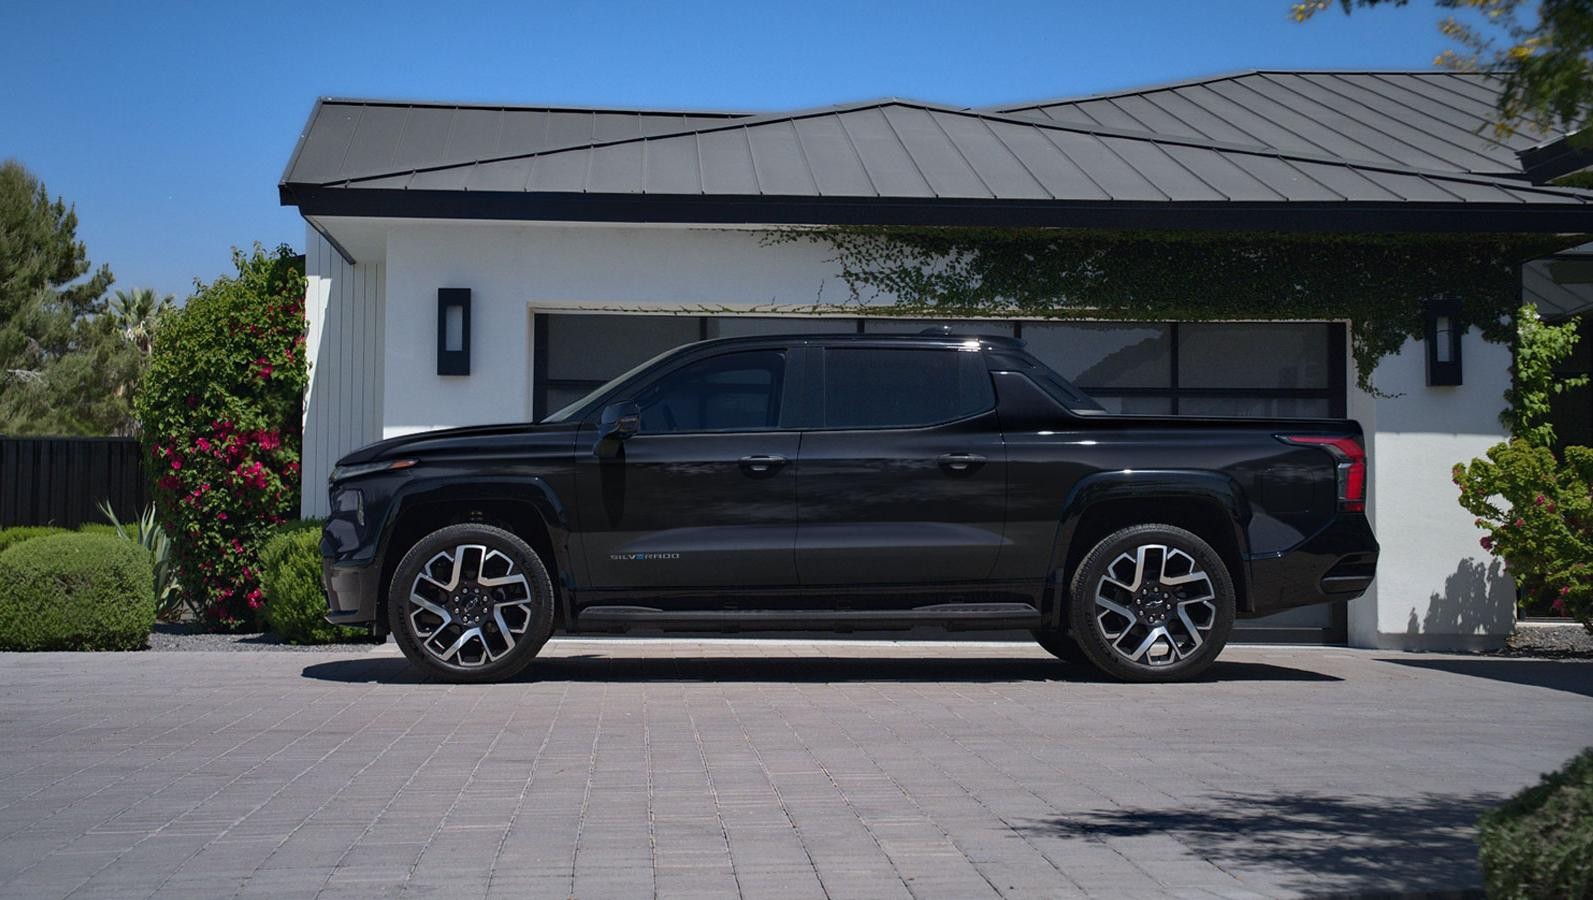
625	768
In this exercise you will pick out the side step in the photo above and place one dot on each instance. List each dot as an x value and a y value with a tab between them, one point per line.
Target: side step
956	616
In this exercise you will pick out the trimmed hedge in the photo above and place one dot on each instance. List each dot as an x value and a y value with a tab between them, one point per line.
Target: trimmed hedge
1539	843
290	577
75	592
10	537
97	528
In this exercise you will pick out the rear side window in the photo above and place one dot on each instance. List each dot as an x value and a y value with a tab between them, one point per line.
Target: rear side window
867	387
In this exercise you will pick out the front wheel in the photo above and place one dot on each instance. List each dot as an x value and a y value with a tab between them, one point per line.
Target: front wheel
1152	603
470	603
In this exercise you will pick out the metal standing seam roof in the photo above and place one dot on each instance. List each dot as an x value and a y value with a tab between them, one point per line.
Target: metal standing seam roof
907	149
353	138
1438	121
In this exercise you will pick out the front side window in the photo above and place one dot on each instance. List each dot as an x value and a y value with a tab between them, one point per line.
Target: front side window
866	387
733	392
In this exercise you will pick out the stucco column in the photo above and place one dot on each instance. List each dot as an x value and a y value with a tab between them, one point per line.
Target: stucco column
1436	588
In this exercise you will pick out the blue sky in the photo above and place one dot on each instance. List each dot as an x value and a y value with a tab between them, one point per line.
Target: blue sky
168	124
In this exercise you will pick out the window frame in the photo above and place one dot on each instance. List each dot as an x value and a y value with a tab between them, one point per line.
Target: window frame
788	388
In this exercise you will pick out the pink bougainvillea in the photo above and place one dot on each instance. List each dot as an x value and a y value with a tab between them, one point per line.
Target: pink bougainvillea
220	411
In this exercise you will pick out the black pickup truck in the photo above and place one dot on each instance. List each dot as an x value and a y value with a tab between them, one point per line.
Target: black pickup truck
839	483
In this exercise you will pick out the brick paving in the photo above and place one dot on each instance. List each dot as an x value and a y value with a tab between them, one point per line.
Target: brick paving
764	769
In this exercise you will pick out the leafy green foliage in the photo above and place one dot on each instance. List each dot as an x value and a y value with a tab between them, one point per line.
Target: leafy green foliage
10	537
1539	348
1538	515
75	592
1375	281
1539	843
1545	63
220	410
145	531
64	367
295	603
137	313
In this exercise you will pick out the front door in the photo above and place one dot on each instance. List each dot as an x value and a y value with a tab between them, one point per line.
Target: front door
704	494
905	481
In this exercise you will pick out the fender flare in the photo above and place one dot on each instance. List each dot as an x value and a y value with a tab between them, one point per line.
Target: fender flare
1140	485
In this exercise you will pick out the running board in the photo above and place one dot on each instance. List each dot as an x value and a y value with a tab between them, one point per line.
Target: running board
955	616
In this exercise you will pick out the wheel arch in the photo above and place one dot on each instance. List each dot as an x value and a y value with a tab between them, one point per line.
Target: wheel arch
1207	504
526	508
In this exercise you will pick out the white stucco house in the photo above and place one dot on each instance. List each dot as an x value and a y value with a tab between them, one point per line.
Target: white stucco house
589	240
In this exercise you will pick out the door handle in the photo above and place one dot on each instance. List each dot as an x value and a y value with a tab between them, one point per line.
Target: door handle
960	462
762	464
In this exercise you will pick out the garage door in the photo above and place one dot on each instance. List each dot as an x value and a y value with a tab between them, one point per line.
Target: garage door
1231	369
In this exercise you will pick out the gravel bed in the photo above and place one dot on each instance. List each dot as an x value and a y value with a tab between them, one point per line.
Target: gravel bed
168	637
1550	642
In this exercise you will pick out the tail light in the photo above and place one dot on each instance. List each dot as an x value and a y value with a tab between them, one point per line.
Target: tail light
1351	457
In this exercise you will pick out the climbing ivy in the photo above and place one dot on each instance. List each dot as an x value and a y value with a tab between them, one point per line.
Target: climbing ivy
1376	282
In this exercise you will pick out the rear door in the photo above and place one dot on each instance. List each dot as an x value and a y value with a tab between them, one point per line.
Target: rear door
704	495
904	480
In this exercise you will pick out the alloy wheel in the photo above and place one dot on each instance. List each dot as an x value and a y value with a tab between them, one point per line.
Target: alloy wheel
1154	605
469	605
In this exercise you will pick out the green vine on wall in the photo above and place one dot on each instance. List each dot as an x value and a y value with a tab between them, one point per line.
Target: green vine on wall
1376	282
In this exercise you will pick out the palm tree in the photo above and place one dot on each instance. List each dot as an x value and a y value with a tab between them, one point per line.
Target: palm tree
136	314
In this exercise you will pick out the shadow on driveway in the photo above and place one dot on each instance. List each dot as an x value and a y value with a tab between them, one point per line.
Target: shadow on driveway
1365	846
808	669
1569	676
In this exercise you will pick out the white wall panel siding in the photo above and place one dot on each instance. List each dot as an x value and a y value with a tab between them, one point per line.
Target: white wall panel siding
344	324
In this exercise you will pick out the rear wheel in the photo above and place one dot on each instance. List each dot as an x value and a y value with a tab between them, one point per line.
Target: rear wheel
470	603
1152	603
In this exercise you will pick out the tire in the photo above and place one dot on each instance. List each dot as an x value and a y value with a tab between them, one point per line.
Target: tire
458	628
1058	643
1134	628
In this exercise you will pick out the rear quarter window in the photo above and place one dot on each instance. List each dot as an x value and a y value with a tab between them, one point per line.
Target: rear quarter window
877	387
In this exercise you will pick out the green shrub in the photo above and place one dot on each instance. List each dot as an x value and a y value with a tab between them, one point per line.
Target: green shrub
1539	843
295	603
75	592
10	537
97	528
1538	512
220	412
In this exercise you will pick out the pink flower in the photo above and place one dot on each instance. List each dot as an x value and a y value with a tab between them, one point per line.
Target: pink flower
176	463
222	516
1558	606
1520	522
1487	542
203	445
1541	500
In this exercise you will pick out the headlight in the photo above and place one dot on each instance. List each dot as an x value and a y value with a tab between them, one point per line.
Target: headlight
343	473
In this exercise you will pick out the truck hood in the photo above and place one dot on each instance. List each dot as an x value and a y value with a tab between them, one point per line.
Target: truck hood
441	440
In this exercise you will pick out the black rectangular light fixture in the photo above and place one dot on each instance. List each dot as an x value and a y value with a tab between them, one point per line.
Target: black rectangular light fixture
1442	328
453	331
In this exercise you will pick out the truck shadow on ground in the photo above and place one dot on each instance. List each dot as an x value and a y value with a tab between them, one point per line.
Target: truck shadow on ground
1357	846
1572	676
808	670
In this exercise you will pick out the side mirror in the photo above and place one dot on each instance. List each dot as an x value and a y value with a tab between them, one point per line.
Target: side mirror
618	423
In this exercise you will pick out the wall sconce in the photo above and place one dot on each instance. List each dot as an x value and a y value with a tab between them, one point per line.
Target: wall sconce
1443	329
453	331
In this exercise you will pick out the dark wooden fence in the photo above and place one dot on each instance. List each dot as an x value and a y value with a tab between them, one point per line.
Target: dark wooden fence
60	481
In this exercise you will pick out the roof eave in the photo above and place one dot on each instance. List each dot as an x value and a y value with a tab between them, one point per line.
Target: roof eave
1313	216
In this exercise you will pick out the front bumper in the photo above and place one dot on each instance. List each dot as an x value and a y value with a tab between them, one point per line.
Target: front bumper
351	592
1335	564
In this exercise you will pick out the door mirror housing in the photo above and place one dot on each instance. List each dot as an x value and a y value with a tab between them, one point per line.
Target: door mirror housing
618	423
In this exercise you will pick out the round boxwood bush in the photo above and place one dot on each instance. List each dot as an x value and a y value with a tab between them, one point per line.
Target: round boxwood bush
295	603
220	408
10	537
98	528
75	592
1540	842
